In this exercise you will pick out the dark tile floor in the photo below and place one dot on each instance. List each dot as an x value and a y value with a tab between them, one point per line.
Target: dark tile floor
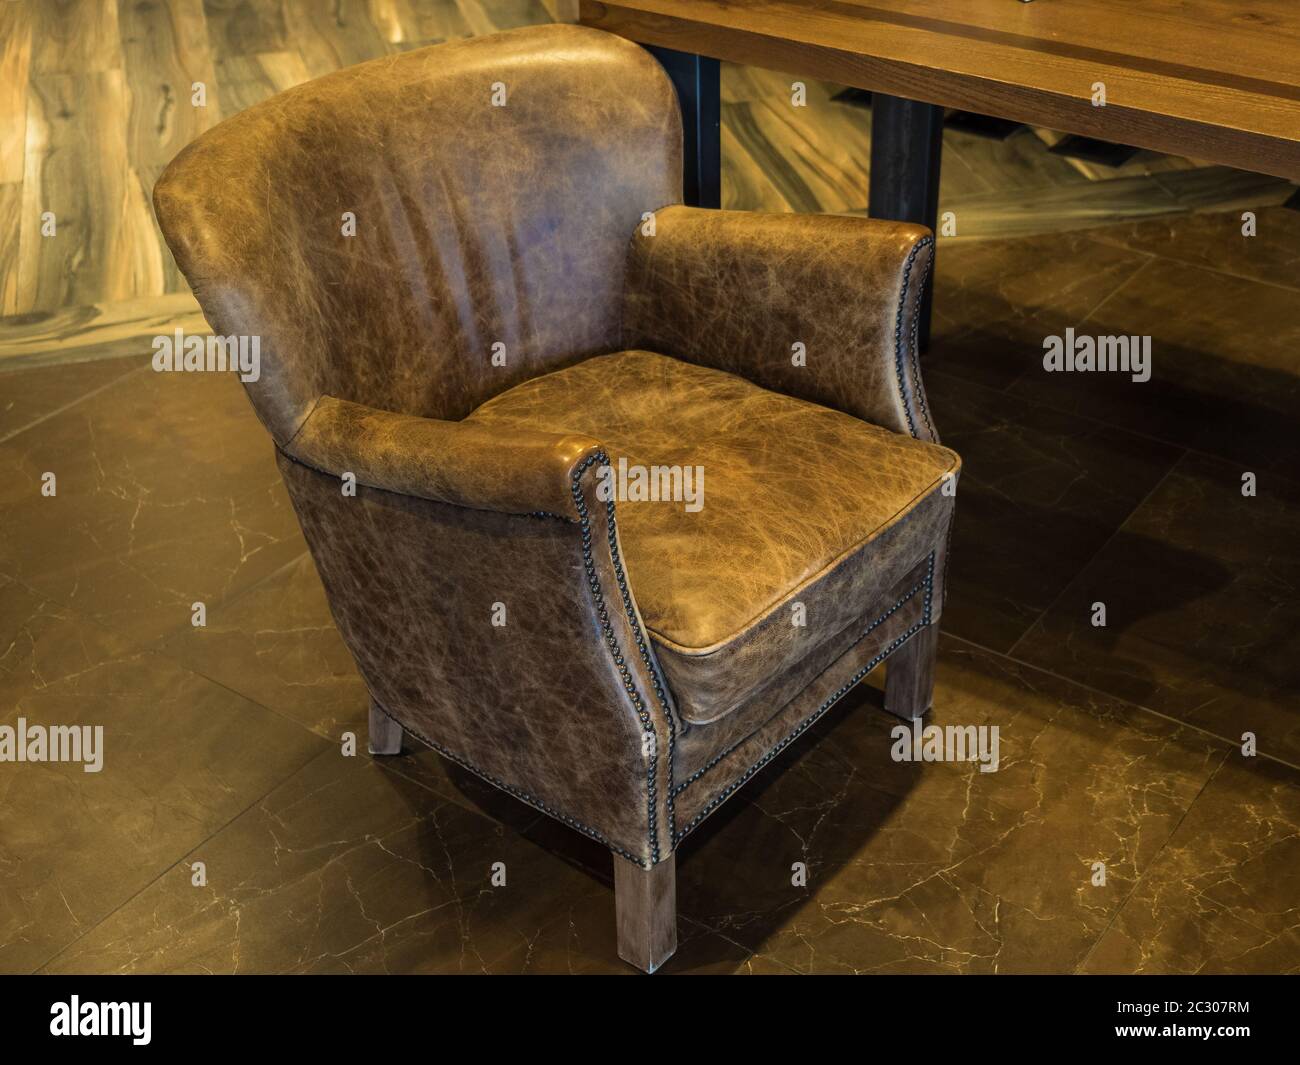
1120	744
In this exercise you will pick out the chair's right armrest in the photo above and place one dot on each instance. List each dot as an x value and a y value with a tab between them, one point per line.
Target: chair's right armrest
461	463
823	307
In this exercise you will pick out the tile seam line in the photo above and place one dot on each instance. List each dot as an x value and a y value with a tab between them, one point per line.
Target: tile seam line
1119	528
1117	698
201	843
1150	865
73	403
1140	434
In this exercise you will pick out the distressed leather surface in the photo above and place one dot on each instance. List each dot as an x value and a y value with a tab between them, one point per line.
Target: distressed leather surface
736	290
539	703
713	761
476	225
450	462
802	505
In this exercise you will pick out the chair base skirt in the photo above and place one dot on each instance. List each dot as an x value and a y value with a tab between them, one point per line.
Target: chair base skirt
645	904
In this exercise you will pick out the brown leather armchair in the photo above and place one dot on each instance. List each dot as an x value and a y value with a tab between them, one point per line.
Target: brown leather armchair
477	297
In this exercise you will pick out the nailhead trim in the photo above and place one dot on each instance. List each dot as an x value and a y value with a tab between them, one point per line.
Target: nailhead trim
907	596
916	369
807	722
572	822
584	522
926	242
588	561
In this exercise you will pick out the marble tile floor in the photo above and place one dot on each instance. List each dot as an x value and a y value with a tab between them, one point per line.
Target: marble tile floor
1120	744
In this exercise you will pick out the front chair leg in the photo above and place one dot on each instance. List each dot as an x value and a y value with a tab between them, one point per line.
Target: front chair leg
645	905
909	675
385	733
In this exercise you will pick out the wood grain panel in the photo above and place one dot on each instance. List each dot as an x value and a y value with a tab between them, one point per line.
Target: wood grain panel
165	49
121	328
1014	61
11	199
15	63
244	80
75	36
409	23
332	36
490	16
106	246
245	27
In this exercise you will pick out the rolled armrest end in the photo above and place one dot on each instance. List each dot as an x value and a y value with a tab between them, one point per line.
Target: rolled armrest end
460	463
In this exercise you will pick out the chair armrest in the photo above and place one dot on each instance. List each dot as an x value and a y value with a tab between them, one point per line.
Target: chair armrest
448	462
738	290
558	698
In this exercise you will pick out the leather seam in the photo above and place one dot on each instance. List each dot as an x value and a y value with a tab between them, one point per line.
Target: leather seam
523	796
559	815
718	646
918	385
812	718
301	426
628	260
904	599
643	646
899	361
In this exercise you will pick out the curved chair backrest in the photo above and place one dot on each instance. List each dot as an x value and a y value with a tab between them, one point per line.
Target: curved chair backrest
495	185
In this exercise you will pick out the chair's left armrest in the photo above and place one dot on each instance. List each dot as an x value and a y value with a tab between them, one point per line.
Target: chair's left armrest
460	463
823	307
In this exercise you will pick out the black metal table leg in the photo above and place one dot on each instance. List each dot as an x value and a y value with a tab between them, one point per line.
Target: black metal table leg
696	79
906	148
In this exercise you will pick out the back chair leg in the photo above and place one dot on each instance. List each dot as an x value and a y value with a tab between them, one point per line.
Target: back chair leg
645	905
385	733
909	675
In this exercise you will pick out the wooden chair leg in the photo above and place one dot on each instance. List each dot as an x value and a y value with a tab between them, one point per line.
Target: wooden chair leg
645	904
385	733
909	675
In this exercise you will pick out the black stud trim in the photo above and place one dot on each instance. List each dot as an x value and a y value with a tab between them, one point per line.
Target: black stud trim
643	647
523	796
906	597
926	242
811	719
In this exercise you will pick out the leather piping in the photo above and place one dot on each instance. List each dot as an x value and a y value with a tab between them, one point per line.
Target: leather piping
642	644
925	242
807	722
523	796
906	597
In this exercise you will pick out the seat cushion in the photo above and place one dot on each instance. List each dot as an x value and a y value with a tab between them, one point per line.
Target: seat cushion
807	513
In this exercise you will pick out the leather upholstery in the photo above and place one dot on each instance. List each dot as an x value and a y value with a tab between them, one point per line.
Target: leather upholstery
795	498
476	225
450	462
542	705
737	290
478	479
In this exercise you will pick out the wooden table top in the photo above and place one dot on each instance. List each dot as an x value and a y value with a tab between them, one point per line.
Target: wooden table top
1216	80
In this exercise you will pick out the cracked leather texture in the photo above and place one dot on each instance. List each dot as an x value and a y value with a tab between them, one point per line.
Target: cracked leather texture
519	226
450	462
476	225
802	506
537	703
736	290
